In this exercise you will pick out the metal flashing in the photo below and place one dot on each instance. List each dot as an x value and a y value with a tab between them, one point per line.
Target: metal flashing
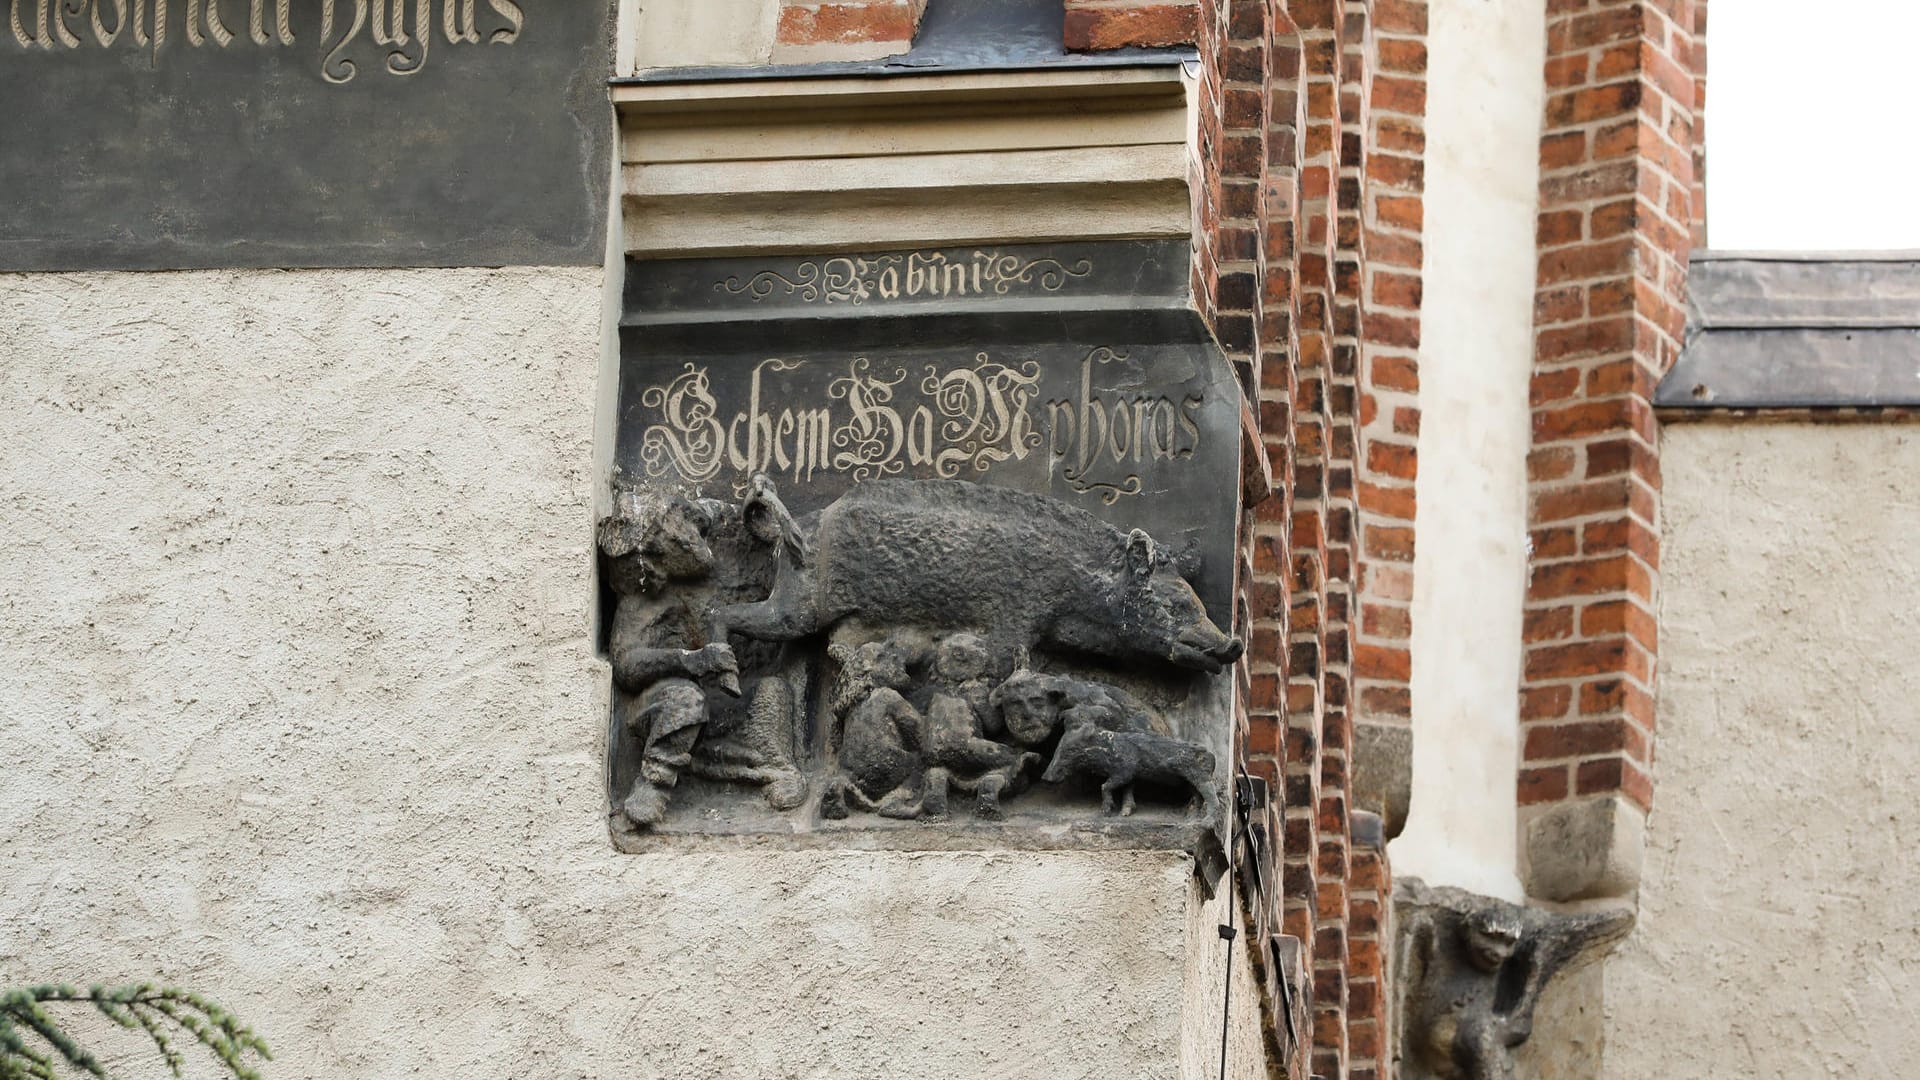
1799	330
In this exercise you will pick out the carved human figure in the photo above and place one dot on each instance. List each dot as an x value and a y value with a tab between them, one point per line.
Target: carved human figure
882	735
658	557
1031	703
1482	1039
1472	969
959	714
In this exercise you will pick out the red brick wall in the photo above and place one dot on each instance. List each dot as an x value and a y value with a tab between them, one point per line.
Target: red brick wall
1393	186
1243	263
1308	256
1318	655
1289	211
1114	24
1699	123
854	22
1369	945
1615	228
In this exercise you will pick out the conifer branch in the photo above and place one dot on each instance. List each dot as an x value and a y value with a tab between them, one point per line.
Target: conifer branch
158	1012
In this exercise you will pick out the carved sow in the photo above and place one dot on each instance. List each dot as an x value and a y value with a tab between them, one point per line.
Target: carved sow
1026	570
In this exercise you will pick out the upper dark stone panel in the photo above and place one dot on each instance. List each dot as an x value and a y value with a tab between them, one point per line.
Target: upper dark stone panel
1078	371
176	134
927	547
1799	331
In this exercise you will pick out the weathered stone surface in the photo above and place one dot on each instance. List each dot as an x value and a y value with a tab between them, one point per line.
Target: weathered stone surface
934	596
1383	771
151	134
1118	758
1585	849
1469	971
895	526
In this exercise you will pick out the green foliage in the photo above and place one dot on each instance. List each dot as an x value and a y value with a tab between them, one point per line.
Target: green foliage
31	1040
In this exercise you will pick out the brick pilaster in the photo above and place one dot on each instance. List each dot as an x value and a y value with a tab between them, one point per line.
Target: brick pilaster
1614	232
1115	24
1699	123
1289	211
1393	189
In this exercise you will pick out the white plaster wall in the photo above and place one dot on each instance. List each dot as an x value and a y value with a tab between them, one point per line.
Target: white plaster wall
301	712
1216	1001
1485	99
1777	934
695	33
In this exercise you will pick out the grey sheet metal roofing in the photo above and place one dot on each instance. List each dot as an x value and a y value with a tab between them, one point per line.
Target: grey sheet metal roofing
955	35
1799	330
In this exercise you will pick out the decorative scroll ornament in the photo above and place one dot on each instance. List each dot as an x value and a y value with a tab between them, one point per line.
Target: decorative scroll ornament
1109	493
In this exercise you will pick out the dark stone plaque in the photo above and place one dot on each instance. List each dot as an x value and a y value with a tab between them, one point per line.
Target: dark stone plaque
1074	371
965	518
172	134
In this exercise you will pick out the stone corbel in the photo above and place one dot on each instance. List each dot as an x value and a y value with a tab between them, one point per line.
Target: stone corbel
1470	969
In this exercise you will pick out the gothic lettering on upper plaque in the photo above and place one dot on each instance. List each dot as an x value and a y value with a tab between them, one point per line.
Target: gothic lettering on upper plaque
881	420
855	279
397	36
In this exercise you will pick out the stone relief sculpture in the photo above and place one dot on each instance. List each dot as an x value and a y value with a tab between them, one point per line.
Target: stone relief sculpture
1033	705
1022	569
1470	970
959	717
881	738
930	604
1119	758
917	751
661	567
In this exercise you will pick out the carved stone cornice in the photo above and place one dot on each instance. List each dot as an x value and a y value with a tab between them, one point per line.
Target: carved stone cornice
842	163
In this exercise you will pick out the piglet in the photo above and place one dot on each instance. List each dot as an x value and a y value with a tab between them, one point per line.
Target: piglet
1121	757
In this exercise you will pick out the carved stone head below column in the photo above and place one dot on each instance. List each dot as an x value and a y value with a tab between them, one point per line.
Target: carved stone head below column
1469	971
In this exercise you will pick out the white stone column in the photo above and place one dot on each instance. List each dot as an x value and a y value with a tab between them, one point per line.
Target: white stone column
1484	106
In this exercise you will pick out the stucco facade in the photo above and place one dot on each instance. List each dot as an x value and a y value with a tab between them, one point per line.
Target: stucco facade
300	643
1776	932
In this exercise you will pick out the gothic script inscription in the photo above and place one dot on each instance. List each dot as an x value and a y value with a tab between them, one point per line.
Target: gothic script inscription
933	420
402	33
855	279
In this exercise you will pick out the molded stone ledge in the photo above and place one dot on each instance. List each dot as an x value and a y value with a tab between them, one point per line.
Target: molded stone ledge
820	164
1587	849
1383	772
